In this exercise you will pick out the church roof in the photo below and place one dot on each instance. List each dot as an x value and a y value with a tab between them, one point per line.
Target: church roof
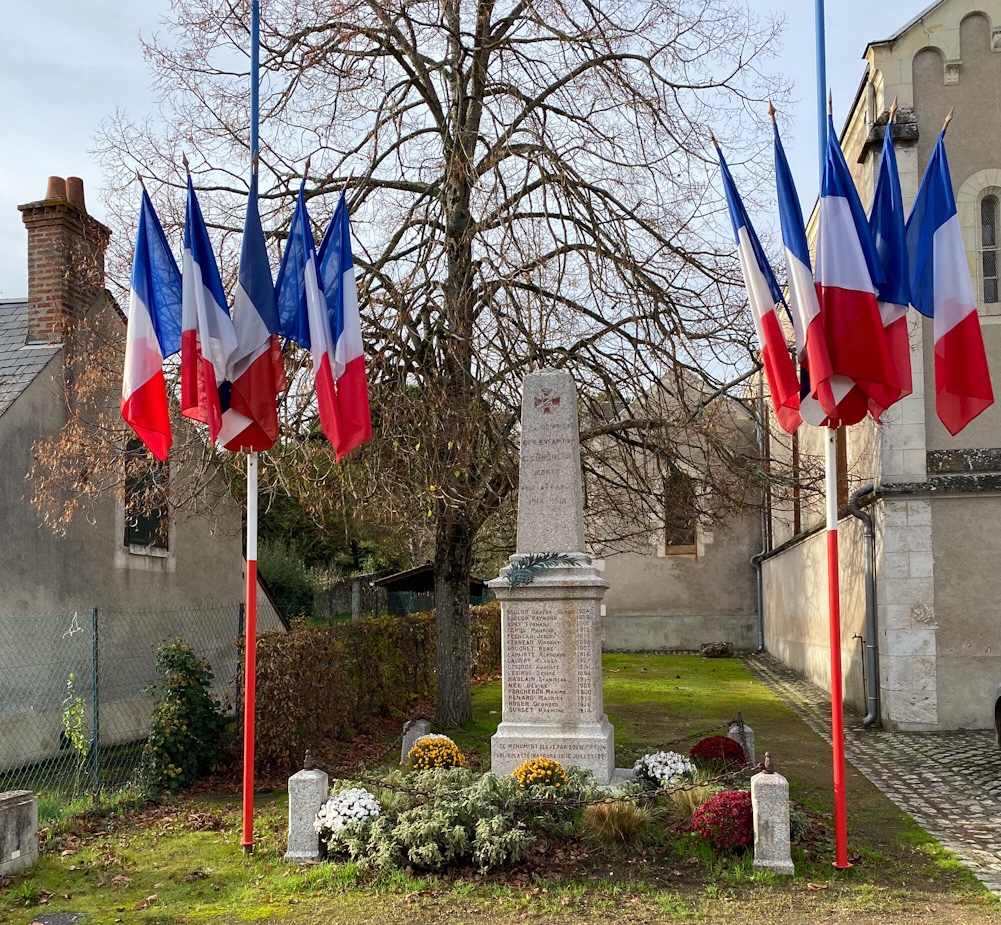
896	35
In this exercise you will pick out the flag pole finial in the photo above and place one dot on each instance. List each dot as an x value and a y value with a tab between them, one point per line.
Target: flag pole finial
305	169
187	166
712	138
893	110
830	103
139	177
948	119
771	111
253	163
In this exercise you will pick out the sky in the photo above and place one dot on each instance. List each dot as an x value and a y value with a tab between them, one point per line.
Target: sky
67	66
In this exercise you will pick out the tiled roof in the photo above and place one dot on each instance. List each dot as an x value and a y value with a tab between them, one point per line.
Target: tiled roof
19	364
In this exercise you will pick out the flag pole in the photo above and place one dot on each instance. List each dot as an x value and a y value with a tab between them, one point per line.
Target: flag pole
831	489
250	653
250	632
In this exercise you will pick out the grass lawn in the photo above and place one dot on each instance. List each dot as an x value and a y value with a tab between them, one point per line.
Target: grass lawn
182	862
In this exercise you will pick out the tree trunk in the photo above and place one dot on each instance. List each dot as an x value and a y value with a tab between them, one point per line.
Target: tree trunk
452	560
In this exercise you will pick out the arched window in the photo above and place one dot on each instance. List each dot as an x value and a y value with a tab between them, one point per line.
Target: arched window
989	247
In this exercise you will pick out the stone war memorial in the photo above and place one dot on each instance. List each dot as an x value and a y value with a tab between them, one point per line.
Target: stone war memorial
550	598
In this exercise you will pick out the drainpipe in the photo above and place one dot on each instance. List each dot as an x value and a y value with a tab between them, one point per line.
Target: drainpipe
871	641
756	564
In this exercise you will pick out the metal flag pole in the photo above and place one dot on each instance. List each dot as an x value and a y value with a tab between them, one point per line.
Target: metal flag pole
250	632
841	861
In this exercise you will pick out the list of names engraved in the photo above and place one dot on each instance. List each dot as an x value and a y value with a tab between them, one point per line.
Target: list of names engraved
537	658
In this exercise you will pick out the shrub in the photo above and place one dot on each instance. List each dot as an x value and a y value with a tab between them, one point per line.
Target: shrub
435	751
663	769
726	820
540	772
378	666
718	751
616	822
291	582
187	725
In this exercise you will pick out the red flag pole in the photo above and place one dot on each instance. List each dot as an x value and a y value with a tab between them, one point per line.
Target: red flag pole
834	604
250	651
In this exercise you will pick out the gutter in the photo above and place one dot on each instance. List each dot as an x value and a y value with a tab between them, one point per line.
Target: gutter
871	641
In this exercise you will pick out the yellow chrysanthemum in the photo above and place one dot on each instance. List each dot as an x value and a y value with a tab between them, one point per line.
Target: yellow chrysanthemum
540	772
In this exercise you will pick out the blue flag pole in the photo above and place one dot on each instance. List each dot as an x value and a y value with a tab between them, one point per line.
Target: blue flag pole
841	861
250	638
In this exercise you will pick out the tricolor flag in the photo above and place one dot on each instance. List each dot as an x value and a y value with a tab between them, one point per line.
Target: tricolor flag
207	336
941	289
886	221
154	333
848	270
337	271
256	368
302	308
811	342
763	294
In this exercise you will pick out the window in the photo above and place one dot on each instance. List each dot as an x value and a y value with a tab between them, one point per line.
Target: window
146	511
989	247
680	513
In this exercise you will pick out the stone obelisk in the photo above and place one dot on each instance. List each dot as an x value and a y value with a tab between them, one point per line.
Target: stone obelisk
550	598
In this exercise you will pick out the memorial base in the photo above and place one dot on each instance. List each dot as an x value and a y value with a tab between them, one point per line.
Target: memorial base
589	745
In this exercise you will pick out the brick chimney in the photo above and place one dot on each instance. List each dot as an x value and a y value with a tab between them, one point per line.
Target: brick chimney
66	249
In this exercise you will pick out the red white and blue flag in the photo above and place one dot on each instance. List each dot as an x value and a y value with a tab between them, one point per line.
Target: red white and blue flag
848	271
886	221
337	272
153	333
941	289
256	368
302	309
816	398
208	339
763	295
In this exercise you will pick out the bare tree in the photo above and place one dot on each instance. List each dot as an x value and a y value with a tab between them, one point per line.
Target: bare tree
529	187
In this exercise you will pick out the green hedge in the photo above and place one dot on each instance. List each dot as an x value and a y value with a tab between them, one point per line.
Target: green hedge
316	685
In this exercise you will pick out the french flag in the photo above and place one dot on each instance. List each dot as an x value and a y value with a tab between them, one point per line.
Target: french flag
302	310
886	221
848	271
256	368
337	271
153	333
817	402
941	289
763	294
208	339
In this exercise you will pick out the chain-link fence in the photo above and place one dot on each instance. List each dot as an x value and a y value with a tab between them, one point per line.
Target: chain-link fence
335	599
77	690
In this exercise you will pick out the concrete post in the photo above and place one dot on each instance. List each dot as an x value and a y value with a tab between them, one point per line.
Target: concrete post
307	792
770	805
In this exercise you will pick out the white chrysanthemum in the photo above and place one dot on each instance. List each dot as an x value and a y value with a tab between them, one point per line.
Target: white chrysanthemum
432	736
664	768
346	808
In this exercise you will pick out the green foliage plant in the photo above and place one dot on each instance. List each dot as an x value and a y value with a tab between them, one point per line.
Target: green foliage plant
76	731
293	584
186	729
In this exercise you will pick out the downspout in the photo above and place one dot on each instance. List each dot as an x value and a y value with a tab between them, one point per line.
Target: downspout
756	564
871	641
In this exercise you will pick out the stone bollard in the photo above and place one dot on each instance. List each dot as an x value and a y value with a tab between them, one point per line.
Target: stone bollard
307	792
413	729
743	735
770	805
18	831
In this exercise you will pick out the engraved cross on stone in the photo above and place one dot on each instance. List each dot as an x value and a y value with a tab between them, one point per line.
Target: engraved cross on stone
545	401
